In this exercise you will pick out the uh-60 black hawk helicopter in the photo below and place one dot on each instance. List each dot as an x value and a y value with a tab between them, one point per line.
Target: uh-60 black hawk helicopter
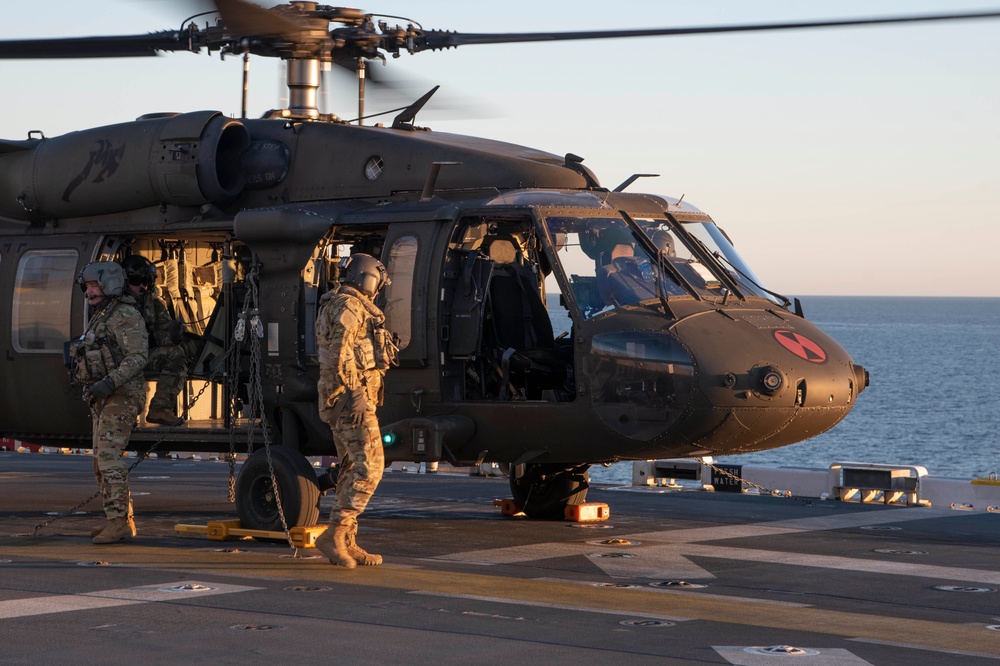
544	321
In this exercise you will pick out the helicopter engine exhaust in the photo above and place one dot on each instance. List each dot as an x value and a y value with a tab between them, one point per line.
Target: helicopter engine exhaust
175	159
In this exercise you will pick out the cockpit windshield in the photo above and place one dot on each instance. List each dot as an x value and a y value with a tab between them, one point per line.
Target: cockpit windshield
717	243
609	266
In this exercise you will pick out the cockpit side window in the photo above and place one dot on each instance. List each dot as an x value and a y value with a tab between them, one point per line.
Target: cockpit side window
605	266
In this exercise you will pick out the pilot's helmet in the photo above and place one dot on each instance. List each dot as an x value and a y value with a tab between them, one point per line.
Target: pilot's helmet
365	273
664	242
107	274
139	270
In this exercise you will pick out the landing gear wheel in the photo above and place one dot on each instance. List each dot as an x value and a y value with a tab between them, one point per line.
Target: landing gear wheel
543	491
256	503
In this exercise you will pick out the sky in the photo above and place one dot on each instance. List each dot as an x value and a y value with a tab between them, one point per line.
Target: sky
857	161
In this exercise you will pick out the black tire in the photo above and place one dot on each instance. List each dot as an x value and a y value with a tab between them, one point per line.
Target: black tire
543	491
256	504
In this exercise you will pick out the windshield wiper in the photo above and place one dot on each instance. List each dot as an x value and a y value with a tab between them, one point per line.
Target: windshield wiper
785	302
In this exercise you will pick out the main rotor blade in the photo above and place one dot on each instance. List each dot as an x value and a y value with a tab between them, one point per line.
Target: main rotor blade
124	46
435	39
277	31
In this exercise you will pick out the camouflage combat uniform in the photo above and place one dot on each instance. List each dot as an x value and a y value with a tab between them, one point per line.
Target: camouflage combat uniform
115	346
165	353
351	344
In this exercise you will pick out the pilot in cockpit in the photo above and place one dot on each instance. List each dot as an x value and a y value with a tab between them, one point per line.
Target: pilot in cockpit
622	278
664	242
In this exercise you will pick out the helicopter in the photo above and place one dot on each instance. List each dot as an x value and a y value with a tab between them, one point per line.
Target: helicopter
546	322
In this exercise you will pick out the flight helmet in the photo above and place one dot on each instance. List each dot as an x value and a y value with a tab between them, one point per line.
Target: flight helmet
365	273
107	274
664	242
139	270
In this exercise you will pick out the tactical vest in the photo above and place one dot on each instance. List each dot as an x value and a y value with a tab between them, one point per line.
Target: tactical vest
96	353
114	346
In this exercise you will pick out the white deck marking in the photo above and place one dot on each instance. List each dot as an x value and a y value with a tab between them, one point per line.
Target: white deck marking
742	656
663	554
845	563
816	523
649	560
545	604
63	603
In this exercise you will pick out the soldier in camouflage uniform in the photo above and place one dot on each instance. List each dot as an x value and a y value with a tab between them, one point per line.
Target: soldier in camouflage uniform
109	359
165	335
354	353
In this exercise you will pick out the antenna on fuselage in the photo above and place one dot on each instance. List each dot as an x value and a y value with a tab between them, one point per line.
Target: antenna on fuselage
634	177
405	119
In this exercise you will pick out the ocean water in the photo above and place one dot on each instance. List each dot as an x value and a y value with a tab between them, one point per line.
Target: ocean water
934	397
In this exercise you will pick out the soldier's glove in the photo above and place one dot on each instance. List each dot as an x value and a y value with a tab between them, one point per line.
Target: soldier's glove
176	331
100	390
357	406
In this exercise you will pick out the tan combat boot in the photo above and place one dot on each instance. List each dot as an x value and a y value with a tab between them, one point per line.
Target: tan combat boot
359	554
116	530
100	528
333	544
163	416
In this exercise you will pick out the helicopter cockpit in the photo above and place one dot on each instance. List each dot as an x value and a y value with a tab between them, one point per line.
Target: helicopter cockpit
524	282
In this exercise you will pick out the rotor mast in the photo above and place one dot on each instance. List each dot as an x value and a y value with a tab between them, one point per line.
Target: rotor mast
303	87
306	49
298	33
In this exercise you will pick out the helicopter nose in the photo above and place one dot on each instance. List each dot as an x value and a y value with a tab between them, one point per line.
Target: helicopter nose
764	380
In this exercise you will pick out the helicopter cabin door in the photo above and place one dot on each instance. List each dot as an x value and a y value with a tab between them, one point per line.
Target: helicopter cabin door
38	280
